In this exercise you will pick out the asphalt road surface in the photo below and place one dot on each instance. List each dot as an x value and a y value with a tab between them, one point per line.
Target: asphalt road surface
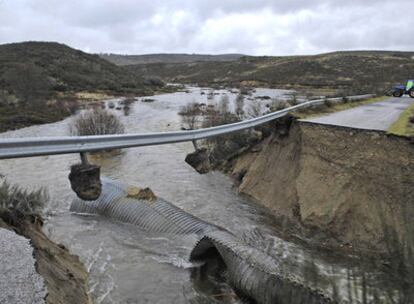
375	116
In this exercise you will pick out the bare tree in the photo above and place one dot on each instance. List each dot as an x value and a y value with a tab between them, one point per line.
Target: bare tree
190	115
255	109
190	122
278	104
294	99
223	105
239	106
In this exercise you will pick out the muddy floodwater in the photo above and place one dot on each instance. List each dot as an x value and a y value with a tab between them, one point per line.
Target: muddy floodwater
128	265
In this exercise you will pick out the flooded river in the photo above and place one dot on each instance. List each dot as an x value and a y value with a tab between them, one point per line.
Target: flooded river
128	265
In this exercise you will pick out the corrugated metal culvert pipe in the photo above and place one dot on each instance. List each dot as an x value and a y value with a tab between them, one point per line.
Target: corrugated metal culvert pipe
250	271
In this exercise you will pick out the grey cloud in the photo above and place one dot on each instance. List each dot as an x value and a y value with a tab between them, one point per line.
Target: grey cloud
261	27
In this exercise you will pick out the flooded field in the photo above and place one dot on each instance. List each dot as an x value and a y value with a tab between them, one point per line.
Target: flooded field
128	265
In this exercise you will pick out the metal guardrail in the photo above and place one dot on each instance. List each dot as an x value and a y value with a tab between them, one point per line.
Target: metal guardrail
28	147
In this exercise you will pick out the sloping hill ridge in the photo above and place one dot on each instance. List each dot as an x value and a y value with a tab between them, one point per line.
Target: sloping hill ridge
167	58
39	82
62	68
359	71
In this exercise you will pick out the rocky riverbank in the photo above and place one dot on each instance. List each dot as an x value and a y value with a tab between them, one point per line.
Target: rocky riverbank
63	275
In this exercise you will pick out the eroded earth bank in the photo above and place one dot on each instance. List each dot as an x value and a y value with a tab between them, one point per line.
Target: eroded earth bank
338	186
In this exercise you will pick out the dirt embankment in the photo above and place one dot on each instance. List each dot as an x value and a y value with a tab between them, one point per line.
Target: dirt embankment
341	183
65	276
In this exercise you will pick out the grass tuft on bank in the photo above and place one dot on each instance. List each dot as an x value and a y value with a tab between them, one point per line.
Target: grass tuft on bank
25	202
404	126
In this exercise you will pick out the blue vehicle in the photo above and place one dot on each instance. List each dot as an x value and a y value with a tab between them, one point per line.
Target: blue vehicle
400	90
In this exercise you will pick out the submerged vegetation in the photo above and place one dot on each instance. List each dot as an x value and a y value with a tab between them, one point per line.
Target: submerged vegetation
198	115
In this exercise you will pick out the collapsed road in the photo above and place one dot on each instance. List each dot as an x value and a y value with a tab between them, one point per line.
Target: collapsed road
374	116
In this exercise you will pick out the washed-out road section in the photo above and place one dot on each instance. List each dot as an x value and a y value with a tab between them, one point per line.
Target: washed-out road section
374	116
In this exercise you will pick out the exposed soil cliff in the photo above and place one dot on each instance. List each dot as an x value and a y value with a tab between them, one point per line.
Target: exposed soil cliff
64	275
341	182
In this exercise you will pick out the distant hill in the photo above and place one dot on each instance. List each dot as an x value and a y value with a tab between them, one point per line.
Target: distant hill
39	82
354	71
61	68
167	58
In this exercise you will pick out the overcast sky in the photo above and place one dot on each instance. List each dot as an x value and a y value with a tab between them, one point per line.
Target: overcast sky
255	27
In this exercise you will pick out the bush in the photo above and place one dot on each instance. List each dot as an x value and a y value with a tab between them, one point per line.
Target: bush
190	115
13	198
96	122
277	105
239	106
327	102
255	109
224	146
293	100
154	81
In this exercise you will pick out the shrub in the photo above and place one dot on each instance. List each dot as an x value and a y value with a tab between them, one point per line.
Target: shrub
245	90
13	198
239	106
191	108
96	122
277	105
327	102
224	146
154	81
255	109
223	105
190	115
294	99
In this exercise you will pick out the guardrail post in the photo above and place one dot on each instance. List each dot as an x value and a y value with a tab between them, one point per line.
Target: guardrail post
84	158
85	179
195	144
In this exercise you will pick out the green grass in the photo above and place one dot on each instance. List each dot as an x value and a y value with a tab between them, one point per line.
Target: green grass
324	109
403	126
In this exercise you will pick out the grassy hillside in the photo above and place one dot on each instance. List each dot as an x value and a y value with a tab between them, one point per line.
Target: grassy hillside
38	79
166	58
359	71
62	69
